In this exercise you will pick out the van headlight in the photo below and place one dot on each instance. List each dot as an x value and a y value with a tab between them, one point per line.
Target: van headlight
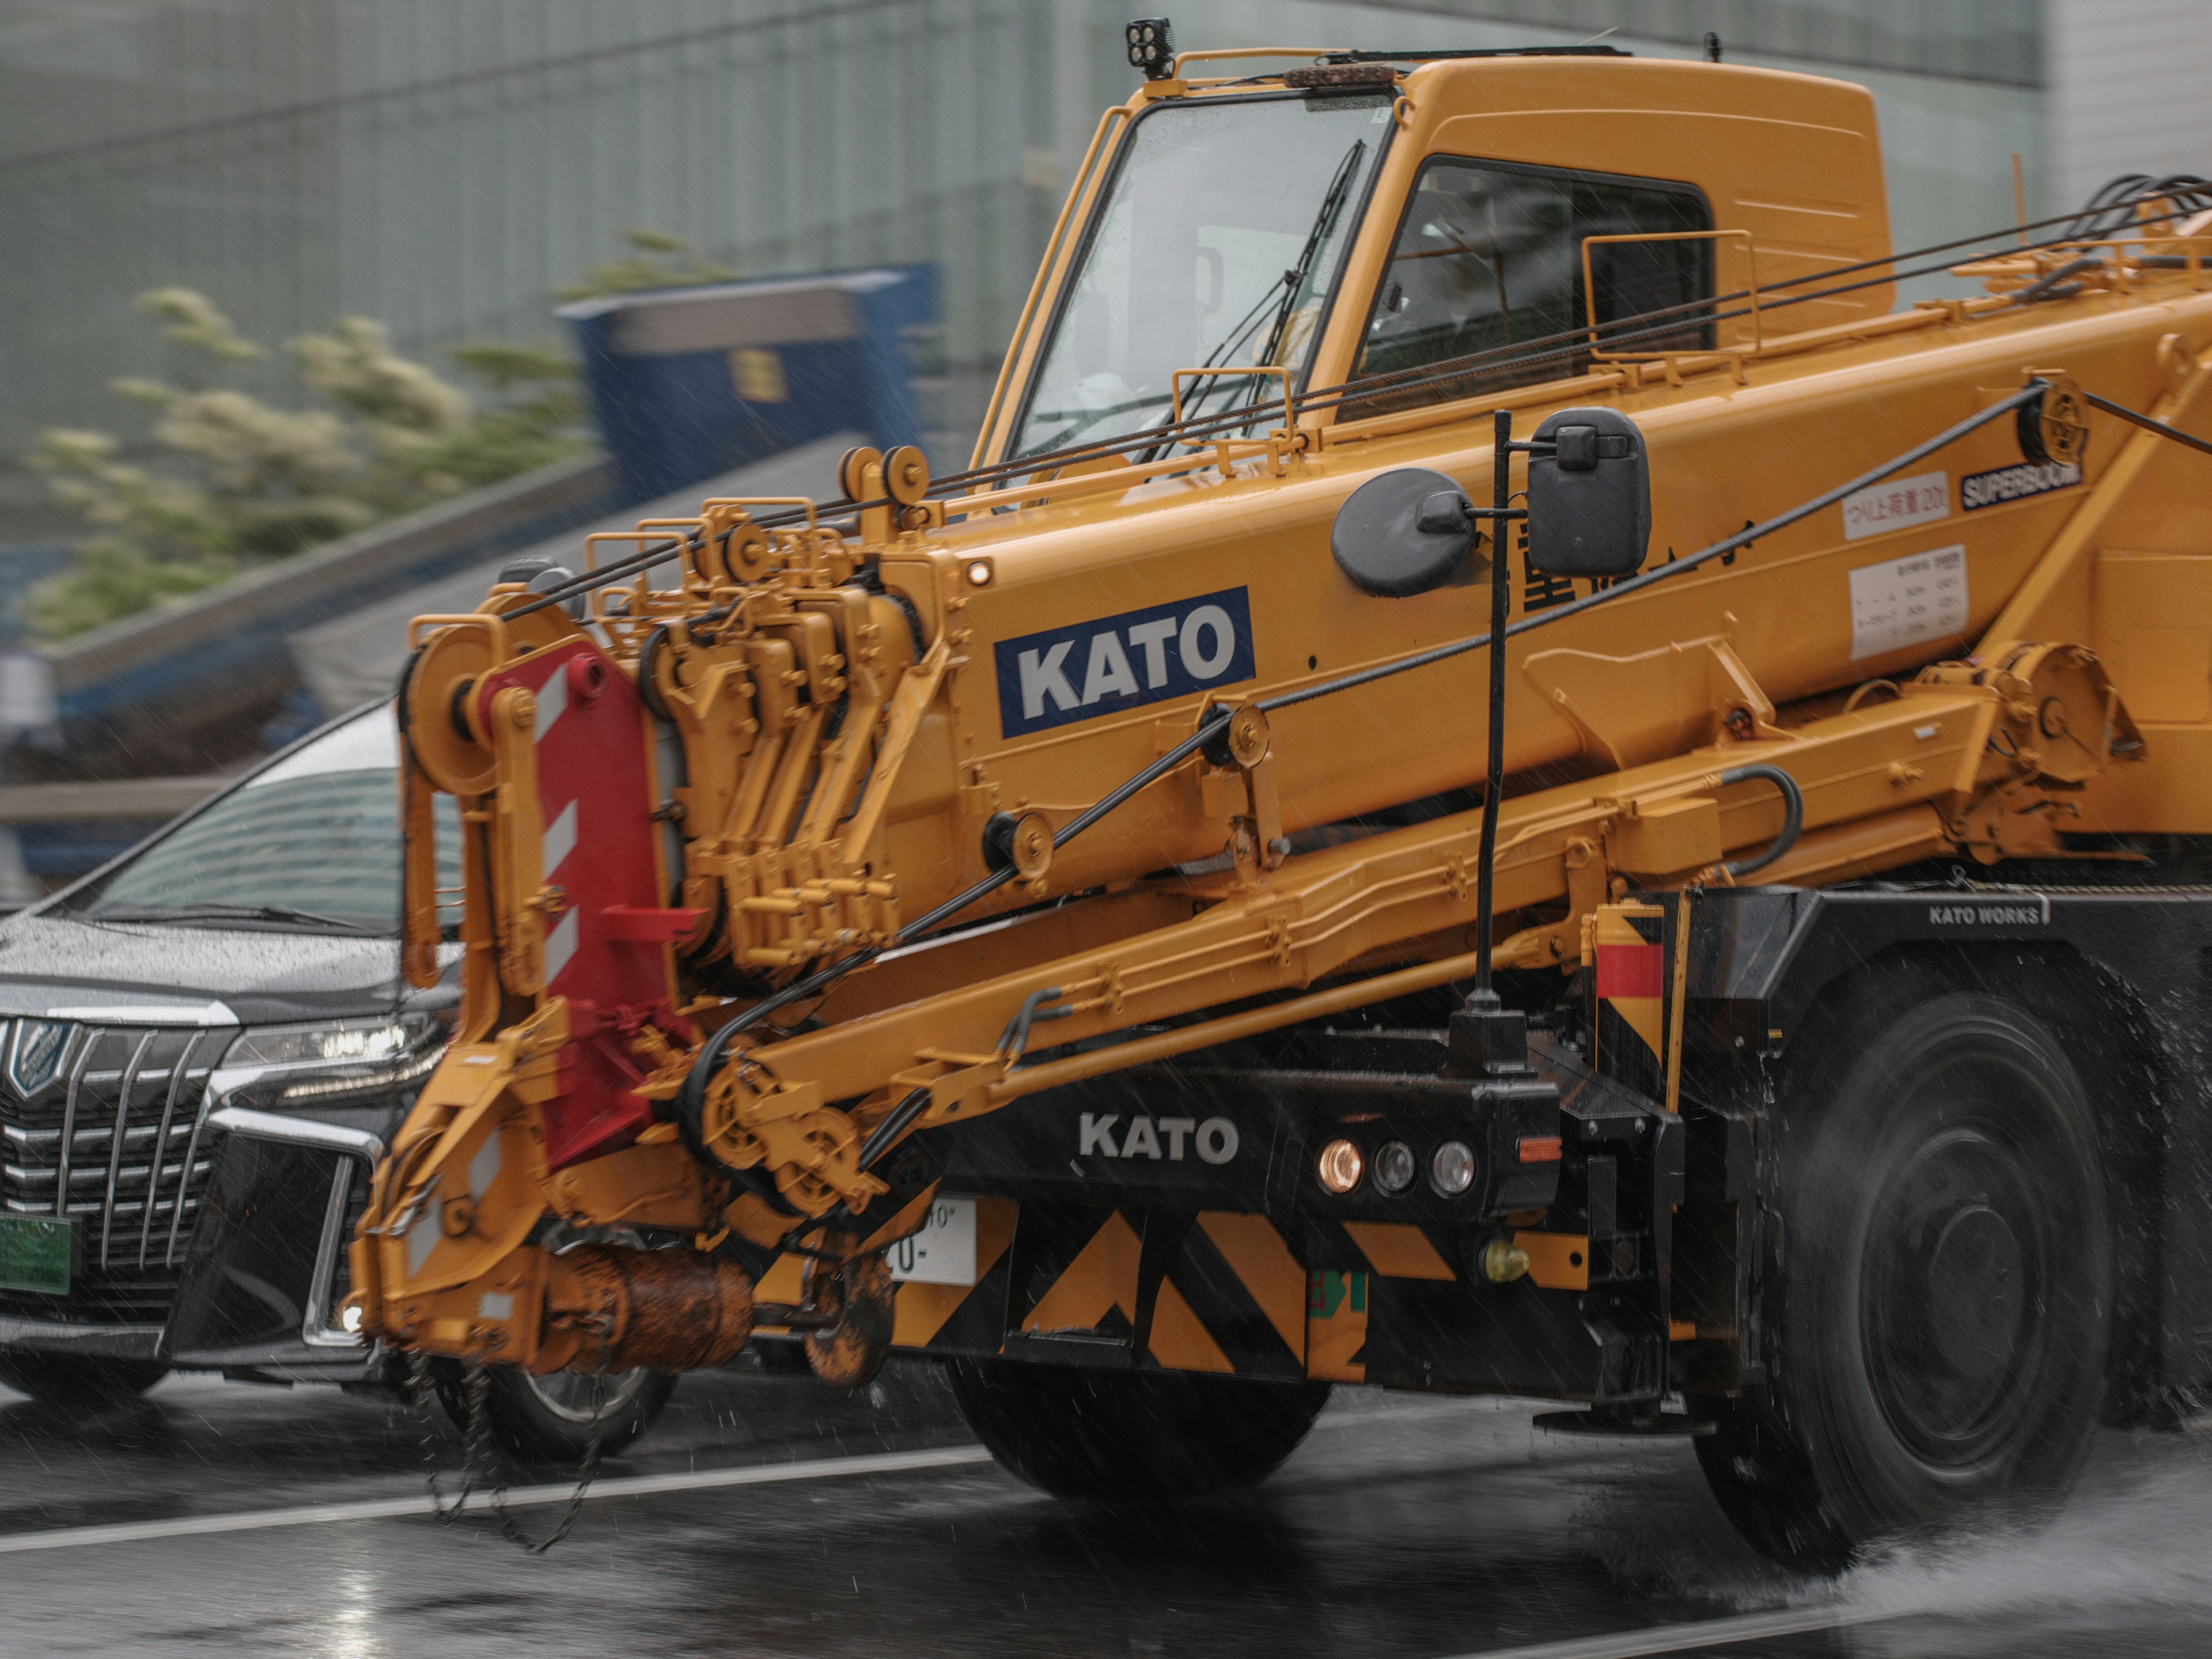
284	1064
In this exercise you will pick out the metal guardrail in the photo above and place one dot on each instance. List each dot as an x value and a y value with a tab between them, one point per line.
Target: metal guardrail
108	800
389	552
159	683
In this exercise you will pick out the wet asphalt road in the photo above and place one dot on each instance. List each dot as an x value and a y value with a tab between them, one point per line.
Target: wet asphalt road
1406	1527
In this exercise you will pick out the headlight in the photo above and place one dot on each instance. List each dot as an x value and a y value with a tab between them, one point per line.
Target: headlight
337	1057
305	1045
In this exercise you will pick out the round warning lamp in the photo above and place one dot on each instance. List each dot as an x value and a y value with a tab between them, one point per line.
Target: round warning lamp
1340	1166
1453	1167
1395	1167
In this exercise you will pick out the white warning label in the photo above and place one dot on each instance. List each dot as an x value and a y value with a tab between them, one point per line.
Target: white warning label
1908	602
1897	504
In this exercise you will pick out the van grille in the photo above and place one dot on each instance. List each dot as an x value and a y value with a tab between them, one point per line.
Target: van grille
104	1125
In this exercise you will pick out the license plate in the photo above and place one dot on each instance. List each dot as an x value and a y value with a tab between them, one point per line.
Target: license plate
34	1254
943	1251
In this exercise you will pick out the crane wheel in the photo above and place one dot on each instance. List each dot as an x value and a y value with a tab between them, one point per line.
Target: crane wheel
554	1418
1133	1436
1939	1307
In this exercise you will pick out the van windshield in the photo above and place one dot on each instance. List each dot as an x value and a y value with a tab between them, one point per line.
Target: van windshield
1219	236
311	841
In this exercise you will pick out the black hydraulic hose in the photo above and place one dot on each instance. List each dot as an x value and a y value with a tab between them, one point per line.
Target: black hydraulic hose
2054	285
1015	1039
2110	209
916	1101
1793	814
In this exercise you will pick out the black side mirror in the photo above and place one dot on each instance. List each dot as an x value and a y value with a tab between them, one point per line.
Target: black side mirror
1403	532
1589	501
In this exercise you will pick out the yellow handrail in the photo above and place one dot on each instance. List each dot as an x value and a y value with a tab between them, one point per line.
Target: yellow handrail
1589	289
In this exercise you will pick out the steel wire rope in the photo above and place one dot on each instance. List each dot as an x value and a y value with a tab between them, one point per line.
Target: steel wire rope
2136	417
1523	352
1636	584
1574	339
1566	344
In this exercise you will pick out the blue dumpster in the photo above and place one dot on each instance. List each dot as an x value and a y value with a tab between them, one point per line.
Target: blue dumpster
688	383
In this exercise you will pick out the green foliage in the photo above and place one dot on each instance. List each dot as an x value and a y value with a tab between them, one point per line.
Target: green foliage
243	482
240	482
656	260
529	430
194	321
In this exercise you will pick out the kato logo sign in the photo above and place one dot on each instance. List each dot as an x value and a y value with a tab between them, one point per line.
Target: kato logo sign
1214	1140
2027	910
1084	670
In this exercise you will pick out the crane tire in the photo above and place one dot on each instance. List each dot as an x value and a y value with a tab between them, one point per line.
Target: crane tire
1132	1436
554	1418
1939	1309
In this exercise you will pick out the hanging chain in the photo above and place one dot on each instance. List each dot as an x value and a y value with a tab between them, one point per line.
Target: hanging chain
484	1459
418	1393
481	1466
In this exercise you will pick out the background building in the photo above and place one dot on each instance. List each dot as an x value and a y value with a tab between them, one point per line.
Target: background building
445	168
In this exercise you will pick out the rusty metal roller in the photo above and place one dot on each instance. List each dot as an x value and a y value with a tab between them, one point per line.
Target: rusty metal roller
672	1311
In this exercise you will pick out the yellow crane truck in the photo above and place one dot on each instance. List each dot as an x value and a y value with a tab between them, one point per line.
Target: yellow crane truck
1503	777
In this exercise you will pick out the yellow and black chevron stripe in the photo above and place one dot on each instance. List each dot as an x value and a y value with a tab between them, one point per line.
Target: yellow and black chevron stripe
1227	1293
1630	983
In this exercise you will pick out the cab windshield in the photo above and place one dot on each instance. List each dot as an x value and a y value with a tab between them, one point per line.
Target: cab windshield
1216	246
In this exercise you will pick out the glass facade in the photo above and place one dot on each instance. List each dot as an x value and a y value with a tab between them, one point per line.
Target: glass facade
447	167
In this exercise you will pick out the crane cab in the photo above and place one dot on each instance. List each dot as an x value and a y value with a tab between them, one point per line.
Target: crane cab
1248	240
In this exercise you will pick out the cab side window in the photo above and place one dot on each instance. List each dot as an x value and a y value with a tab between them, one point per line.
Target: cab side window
1489	259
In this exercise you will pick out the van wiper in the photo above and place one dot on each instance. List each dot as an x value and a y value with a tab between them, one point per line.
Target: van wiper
208	911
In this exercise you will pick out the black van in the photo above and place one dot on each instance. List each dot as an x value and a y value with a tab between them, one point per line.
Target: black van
204	1047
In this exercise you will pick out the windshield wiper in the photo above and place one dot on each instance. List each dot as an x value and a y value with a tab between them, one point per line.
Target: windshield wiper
1340	188
1291	283
208	911
1240	332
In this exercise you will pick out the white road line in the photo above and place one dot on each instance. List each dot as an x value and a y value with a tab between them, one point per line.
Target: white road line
308	1515
1697	1634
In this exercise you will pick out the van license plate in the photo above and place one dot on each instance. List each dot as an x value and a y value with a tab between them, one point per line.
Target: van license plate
943	1251
35	1255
